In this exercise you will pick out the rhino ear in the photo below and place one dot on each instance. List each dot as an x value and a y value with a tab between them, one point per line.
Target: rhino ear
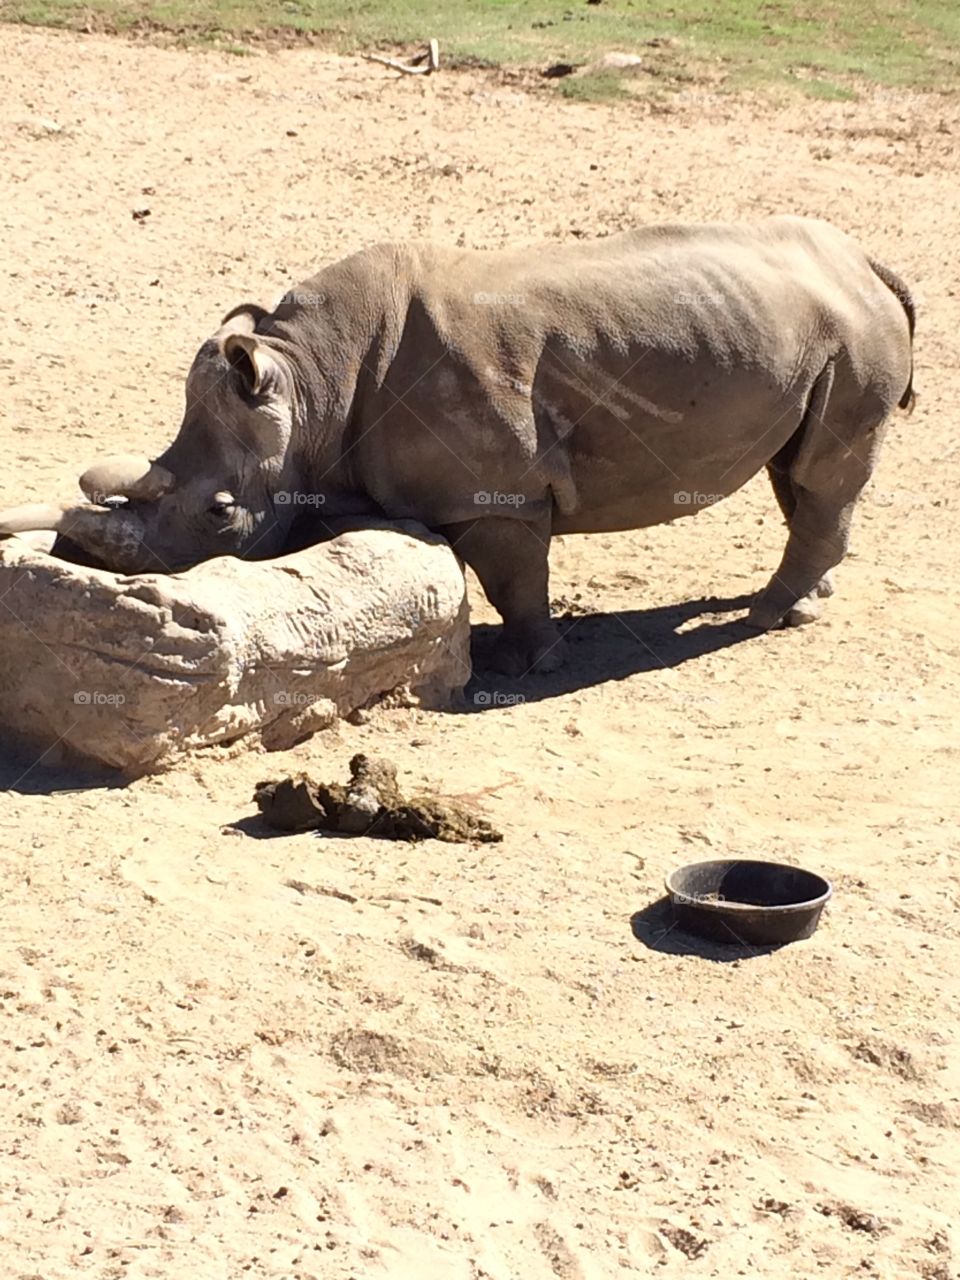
254	364
264	377
243	319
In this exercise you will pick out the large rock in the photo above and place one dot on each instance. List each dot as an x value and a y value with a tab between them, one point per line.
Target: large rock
134	672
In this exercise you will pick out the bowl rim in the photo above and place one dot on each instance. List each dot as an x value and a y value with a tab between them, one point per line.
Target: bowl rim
680	898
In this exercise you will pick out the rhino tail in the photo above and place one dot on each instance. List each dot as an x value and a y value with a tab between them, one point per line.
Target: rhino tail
899	288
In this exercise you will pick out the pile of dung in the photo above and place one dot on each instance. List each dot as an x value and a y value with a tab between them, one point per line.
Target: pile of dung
370	804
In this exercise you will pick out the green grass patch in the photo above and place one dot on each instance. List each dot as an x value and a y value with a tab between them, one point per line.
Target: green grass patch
594	86
735	42
828	90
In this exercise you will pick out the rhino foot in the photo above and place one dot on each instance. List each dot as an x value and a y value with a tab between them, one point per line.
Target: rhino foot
825	587
767	616
804	611
531	651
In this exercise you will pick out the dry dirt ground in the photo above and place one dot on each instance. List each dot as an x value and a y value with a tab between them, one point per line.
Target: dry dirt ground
488	1062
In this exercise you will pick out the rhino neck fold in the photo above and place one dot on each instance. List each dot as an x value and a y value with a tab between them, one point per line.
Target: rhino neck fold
338	332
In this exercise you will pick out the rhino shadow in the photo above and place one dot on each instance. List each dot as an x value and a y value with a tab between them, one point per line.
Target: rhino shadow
608	646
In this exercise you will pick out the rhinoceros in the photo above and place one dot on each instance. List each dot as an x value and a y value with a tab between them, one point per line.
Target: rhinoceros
502	397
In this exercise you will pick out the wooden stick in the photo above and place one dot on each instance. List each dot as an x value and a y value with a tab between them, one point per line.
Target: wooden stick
421	65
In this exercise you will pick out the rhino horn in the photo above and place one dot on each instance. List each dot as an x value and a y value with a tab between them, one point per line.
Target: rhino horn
127	476
30	517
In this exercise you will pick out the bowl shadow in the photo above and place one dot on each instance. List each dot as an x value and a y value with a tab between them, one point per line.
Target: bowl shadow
657	928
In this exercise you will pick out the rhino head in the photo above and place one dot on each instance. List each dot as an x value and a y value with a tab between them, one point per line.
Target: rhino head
213	491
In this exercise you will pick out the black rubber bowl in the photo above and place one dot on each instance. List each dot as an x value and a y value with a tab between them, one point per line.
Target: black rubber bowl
742	902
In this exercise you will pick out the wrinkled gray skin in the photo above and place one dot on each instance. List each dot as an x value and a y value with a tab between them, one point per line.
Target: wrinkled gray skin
583	387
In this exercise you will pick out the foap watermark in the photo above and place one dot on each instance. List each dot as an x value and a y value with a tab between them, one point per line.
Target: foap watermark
484	498
692	702
298	298
699	298
297	498
102	498
91	300
694	498
497	698
98	698
897	498
290	698
697	899
500	299
894	698
881	297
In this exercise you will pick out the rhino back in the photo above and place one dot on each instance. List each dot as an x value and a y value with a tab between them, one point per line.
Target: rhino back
601	377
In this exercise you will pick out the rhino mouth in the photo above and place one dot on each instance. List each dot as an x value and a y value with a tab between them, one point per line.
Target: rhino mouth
107	531
64	548
103	536
119	527
109	535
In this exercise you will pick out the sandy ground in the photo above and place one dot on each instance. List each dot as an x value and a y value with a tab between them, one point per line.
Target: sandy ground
495	1063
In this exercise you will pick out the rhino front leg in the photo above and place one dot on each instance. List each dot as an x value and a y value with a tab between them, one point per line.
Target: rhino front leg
510	557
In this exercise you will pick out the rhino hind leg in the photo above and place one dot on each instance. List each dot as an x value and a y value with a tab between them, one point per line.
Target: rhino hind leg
510	557
807	609
817	479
